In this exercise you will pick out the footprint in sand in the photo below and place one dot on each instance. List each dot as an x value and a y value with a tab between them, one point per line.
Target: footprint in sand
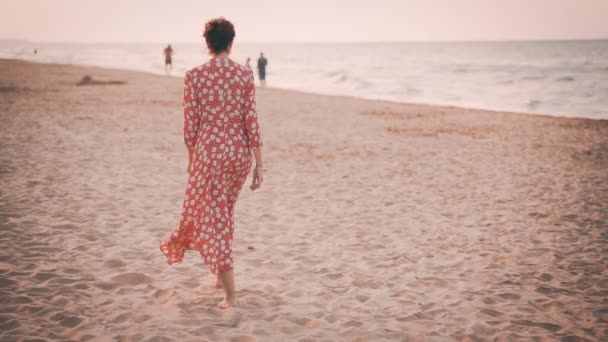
132	279
547	326
114	263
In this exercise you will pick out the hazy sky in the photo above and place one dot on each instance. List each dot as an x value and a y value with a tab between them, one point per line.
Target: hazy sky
306	20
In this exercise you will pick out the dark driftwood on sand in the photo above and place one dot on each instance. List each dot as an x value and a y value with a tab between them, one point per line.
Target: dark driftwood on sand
88	80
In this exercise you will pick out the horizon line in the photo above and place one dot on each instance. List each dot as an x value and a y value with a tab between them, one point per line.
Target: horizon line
317	42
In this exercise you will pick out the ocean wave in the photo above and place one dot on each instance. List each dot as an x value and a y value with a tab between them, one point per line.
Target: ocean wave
533	104
342	78
489	75
533	77
334	73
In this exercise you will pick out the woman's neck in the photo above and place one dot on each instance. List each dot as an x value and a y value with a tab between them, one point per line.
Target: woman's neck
223	54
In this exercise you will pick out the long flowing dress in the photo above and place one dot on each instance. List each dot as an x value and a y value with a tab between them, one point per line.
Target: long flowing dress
220	124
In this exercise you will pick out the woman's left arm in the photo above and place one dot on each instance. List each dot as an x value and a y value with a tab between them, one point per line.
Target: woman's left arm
191	117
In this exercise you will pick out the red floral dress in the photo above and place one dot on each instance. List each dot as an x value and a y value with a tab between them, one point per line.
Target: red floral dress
220	124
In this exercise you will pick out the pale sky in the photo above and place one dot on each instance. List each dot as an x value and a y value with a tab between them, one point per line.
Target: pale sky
303	21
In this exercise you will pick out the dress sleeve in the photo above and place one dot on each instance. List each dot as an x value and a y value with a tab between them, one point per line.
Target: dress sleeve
191	112
250	115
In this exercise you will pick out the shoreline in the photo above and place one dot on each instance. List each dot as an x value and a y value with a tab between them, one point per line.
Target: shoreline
439	106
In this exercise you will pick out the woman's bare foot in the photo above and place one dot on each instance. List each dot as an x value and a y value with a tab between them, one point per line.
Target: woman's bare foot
227	303
218	283
227	279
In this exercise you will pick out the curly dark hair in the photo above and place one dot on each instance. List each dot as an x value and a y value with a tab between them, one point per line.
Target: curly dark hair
218	34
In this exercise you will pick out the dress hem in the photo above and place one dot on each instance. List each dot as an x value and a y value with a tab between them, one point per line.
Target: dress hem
183	251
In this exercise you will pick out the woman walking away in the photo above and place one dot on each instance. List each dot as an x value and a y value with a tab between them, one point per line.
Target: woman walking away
221	133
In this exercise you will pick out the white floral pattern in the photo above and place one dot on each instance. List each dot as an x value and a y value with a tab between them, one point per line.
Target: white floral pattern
220	124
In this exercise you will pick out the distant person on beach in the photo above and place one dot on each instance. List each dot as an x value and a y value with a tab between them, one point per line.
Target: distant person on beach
248	63
262	63
35	51
221	149
168	62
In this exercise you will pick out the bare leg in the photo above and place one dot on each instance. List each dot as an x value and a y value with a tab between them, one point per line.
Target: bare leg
227	279
218	282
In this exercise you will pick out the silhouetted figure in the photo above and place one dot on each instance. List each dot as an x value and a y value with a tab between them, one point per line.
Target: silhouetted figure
35	51
248	63
262	63
168	63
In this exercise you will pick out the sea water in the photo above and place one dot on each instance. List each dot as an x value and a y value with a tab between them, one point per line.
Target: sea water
564	78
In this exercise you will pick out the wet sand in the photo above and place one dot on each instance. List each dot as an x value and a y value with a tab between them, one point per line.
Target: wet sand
377	221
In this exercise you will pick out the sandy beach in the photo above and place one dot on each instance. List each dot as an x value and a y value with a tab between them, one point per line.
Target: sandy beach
377	221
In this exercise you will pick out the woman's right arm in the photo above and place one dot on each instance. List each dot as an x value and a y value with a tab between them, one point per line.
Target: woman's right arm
250	114
258	171
252	129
